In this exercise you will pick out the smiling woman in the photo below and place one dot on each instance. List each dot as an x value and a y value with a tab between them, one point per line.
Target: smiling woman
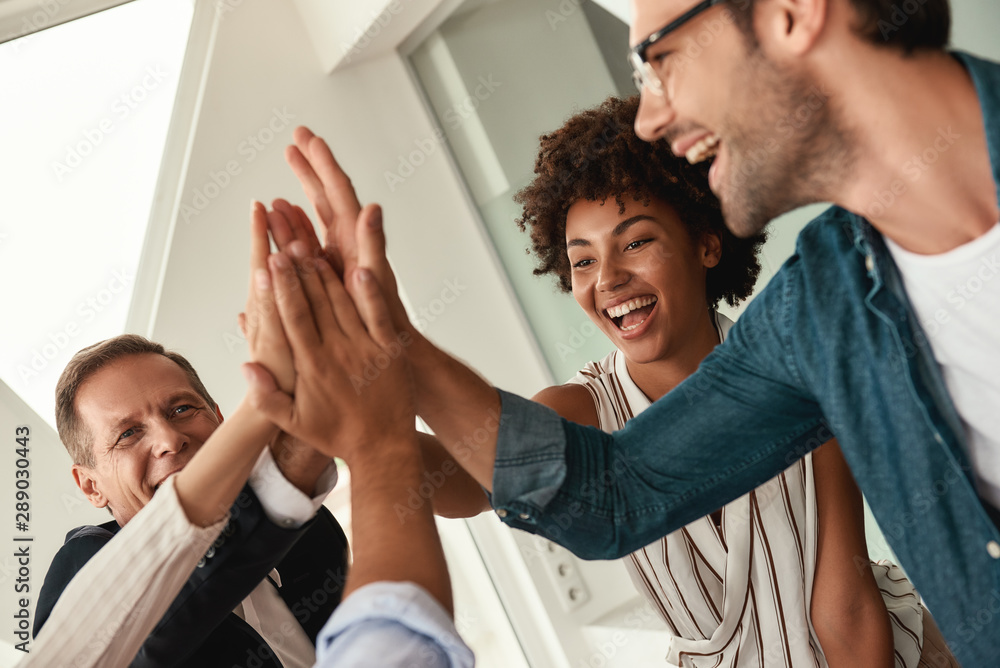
632	231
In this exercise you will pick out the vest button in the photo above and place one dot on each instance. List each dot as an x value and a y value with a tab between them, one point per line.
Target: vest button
993	548
501	512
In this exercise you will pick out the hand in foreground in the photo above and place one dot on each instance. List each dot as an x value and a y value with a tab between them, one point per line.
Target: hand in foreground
353	386
349	243
260	322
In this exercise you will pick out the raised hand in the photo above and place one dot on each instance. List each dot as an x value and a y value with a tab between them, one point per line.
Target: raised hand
353	386
350	242
260	322
331	193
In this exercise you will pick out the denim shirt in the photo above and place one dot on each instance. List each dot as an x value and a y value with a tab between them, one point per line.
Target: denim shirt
830	346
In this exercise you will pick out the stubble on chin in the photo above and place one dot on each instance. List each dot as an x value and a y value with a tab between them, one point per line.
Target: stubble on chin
792	155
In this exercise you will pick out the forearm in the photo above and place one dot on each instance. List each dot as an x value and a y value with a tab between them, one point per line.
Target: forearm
459	405
299	464
107	611
847	610
388	545
604	495
209	484
449	487
855	629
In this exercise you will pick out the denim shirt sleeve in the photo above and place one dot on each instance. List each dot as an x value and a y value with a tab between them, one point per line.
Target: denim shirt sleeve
742	418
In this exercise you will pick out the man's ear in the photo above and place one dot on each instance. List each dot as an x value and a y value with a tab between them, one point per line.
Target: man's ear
218	414
85	480
711	250
790	27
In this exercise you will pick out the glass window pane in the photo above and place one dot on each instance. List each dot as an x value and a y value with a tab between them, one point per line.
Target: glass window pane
86	110
498	75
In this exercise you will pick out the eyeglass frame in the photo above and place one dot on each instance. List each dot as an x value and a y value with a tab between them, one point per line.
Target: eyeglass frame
643	74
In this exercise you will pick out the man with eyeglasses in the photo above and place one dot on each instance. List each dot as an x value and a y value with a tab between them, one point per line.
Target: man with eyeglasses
881	329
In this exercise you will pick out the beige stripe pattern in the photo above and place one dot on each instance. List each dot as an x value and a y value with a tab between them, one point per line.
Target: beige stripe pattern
738	594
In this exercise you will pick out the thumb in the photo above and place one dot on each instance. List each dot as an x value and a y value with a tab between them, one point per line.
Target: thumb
371	255
371	239
264	395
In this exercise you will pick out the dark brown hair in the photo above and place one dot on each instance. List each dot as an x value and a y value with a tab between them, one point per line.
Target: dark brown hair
596	156
73	433
910	25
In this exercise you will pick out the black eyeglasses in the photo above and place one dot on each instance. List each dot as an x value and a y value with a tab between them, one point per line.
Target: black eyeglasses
643	74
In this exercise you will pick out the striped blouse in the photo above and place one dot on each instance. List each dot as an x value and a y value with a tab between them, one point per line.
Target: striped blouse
739	594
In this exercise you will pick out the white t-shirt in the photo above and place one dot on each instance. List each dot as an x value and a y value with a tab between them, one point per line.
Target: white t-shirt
956	296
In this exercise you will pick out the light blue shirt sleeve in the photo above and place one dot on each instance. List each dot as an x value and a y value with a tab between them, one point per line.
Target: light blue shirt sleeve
391	625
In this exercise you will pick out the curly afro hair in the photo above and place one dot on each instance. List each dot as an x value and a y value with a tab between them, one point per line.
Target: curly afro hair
596	156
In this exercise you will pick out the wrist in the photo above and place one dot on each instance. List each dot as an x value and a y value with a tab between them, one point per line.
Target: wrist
245	413
298	463
386	454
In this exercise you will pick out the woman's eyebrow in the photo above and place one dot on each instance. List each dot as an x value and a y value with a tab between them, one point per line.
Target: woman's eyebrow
620	229
629	222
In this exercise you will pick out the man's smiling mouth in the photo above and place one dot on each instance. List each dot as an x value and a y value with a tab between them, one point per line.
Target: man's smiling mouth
703	149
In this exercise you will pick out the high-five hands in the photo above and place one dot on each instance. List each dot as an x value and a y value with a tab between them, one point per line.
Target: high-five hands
349	242
452	398
337	335
260	322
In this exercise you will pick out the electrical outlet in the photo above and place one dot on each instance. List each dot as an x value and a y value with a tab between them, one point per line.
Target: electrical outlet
561	567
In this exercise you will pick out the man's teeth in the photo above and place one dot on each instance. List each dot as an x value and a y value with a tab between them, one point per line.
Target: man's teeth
704	149
628	307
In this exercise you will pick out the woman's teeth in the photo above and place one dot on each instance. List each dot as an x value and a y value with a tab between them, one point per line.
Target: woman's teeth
704	149
629	306
619	313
